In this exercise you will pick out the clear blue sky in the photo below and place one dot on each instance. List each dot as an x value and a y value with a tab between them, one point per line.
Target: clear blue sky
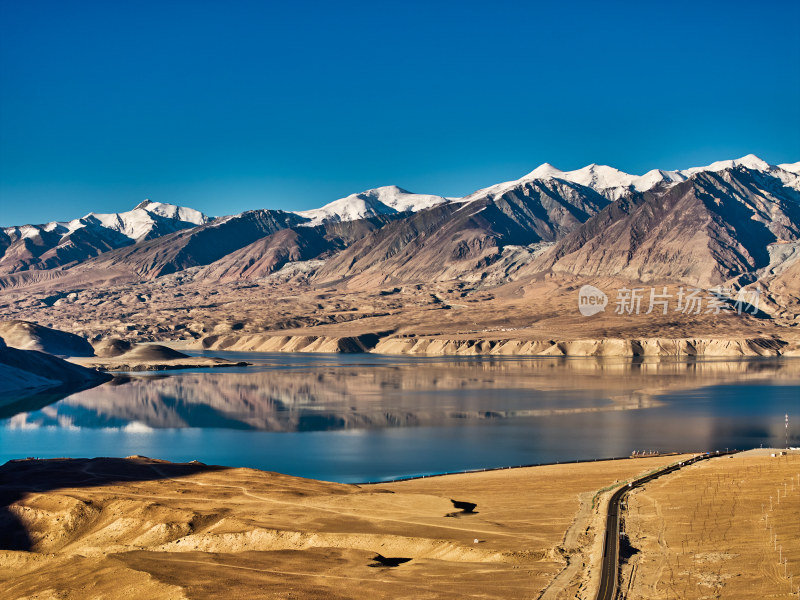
225	106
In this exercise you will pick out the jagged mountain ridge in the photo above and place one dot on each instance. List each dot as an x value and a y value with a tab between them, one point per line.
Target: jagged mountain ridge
732	219
712	228
387	200
453	240
58	244
302	243
199	246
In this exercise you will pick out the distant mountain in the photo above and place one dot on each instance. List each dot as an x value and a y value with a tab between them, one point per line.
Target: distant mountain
613	183
58	244
386	200
268	254
459	239
606	181
735	224
735	220
194	247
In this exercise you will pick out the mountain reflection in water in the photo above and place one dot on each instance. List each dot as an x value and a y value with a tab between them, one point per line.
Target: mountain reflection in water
329	393
368	417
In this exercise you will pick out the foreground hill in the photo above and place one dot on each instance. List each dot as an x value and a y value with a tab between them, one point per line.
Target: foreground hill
145	528
25	335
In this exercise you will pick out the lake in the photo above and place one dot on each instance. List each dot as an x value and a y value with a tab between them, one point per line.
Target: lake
368	417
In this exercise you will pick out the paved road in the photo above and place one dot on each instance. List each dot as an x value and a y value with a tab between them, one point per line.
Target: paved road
610	570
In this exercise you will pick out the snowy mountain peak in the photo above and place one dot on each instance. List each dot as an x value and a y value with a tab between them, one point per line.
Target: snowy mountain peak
385	200
751	161
146	219
171	211
600	177
545	171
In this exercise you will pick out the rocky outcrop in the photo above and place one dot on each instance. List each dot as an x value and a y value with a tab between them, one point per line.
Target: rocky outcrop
608	347
291	343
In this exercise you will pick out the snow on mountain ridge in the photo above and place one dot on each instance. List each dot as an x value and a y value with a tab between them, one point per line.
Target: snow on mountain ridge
172	211
379	201
612	183
751	161
139	222
134	224
791	167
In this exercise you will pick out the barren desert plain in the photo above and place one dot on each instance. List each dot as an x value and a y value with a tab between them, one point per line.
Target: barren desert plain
141	528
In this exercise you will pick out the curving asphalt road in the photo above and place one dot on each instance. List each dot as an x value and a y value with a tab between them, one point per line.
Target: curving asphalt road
610	569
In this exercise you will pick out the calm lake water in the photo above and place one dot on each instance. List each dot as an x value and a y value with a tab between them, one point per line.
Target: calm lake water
354	418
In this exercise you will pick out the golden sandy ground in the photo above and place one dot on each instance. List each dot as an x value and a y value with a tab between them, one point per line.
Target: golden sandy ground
109	528
717	529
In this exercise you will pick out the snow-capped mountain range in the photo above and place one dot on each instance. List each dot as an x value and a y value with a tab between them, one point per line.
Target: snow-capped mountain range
145	219
607	181
385	200
148	218
58	243
389	233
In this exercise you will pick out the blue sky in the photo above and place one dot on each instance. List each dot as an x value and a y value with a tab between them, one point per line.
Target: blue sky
237	105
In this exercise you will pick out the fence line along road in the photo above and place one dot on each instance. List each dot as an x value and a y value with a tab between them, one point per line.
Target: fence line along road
609	573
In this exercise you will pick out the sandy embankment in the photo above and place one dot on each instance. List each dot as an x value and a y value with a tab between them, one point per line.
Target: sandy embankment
439	346
147	529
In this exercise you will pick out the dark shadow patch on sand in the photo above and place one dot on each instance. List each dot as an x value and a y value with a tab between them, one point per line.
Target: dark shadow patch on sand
461	513
626	549
464	506
467	508
387	561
